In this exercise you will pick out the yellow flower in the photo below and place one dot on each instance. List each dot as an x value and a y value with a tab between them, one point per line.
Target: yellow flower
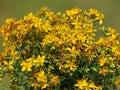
44	85
35	85
81	84
29	17
81	37
26	66
54	80
72	65
111	31
50	38
92	85
116	50
41	77
101	17
72	50
39	60
103	41
9	64
103	71
10	20
49	14
77	24
97	15
102	61
73	11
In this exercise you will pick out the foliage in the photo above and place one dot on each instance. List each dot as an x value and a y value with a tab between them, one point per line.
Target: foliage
59	51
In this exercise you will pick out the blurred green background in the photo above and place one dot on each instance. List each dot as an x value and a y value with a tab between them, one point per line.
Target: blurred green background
18	8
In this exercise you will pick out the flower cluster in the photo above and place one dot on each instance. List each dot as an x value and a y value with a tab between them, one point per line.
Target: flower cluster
59	51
